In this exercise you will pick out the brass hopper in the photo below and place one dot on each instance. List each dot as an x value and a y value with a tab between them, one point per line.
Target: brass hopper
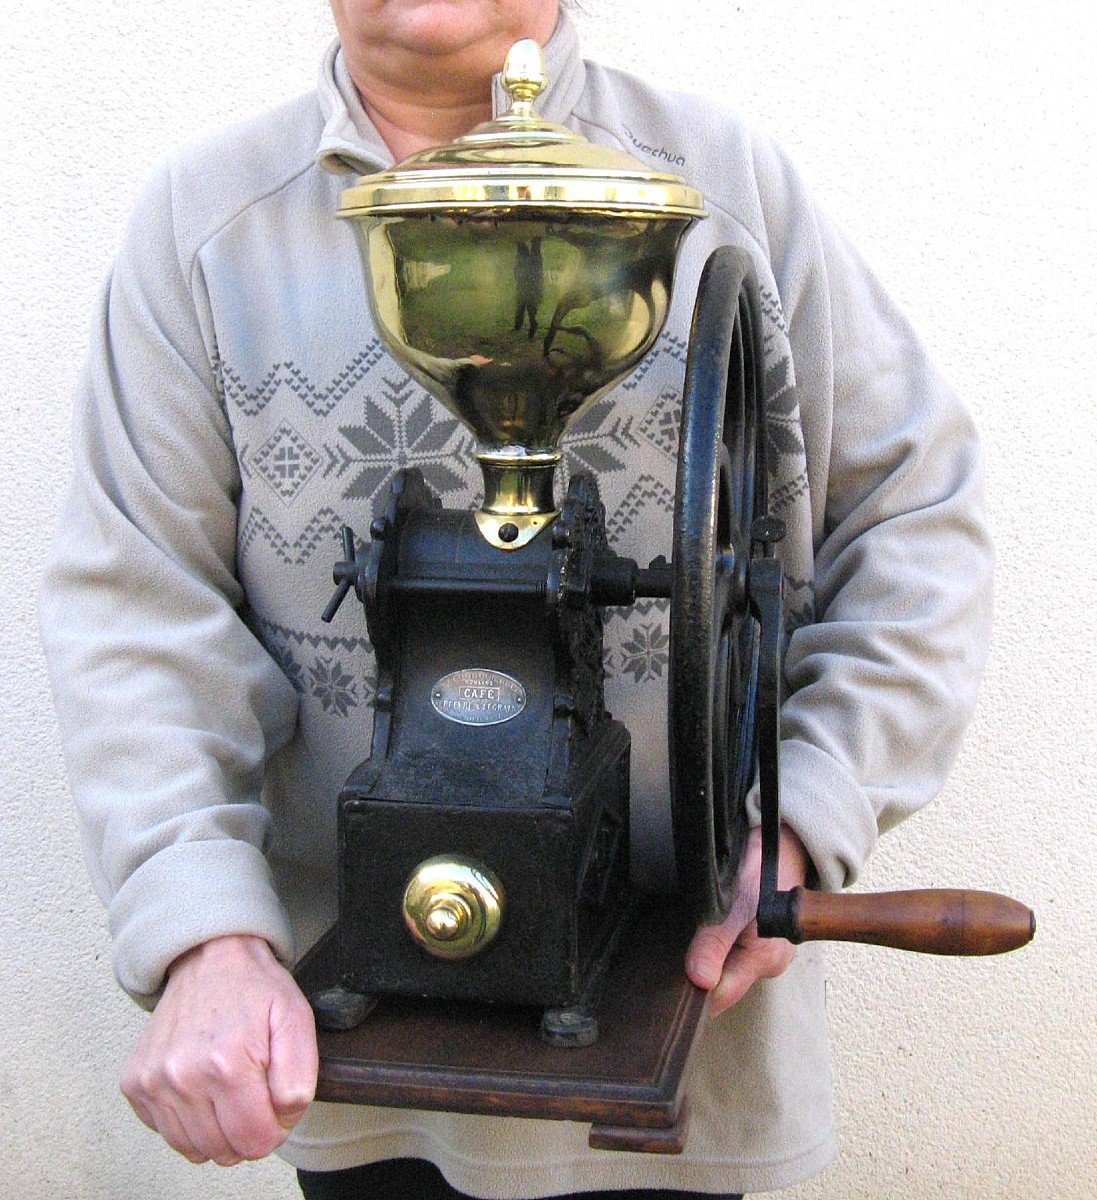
518	274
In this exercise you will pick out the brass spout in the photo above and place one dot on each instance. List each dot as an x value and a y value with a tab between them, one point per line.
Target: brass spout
518	496
518	485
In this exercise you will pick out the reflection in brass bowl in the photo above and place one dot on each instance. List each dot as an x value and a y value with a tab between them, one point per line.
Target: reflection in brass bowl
516	322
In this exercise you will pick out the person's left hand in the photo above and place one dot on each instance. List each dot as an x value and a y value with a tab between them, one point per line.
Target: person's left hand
727	959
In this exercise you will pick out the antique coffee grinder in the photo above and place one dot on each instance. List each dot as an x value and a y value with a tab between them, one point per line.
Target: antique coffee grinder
517	274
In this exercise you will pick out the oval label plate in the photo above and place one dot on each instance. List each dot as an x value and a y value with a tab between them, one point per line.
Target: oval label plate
477	696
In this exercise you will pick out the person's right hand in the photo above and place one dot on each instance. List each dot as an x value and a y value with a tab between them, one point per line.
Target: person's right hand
227	1063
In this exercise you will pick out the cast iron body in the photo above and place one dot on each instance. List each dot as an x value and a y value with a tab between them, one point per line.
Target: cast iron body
540	798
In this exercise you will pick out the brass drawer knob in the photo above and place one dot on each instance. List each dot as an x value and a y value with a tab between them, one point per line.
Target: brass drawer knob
453	906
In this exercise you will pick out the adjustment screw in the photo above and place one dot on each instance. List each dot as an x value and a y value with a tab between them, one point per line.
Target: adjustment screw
561	536
378	527
768	530
508	532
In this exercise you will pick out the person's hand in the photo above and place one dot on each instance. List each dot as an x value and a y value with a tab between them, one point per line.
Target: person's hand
227	1063
727	959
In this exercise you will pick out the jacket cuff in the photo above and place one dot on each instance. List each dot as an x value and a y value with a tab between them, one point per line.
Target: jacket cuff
187	894
826	810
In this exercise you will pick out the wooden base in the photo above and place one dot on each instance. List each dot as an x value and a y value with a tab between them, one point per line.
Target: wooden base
477	1058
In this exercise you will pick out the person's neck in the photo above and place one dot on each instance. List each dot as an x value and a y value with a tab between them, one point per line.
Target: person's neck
420	100
408	124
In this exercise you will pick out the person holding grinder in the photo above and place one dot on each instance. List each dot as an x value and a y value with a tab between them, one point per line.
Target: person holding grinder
203	706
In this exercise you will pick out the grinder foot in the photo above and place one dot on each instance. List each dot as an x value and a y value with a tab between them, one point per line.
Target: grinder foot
338	1008
572	1027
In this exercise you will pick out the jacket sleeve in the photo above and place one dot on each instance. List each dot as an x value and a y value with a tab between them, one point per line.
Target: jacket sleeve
882	683
168	705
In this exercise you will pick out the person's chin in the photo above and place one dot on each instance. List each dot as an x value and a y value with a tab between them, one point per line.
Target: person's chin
443	26
452	26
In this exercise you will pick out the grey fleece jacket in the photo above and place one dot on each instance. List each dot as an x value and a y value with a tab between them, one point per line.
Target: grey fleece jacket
237	407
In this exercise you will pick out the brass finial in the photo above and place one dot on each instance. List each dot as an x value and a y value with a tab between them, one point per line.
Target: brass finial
447	917
524	76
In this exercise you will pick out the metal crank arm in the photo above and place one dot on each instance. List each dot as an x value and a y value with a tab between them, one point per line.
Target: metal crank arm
764	595
929	920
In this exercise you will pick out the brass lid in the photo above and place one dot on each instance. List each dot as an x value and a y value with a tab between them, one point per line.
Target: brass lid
521	162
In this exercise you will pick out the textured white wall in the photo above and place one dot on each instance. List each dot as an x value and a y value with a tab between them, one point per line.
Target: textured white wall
956	144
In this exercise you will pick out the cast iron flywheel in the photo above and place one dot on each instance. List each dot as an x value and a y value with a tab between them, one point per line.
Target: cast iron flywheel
714	638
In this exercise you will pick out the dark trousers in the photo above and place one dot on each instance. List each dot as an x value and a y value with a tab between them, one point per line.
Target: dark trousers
414	1179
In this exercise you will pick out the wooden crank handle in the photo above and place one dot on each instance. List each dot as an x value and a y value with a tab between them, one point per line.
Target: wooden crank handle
929	921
